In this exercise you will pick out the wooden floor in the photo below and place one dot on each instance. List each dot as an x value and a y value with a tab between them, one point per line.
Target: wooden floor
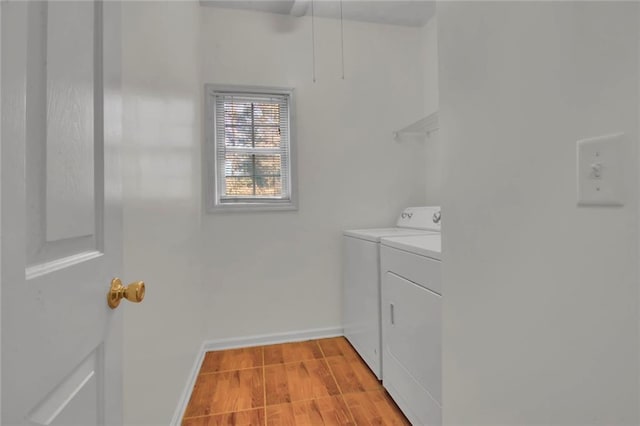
318	382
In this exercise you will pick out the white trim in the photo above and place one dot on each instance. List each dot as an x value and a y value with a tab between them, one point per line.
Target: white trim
270	339
637	204
36	271
244	342
176	420
1	232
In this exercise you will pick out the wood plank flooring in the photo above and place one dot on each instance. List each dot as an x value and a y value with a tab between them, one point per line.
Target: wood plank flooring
318	382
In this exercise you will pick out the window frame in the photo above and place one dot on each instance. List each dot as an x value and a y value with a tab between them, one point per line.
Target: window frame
211	188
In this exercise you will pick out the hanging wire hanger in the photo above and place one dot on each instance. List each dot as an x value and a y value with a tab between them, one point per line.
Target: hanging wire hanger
313	39
342	38
313	42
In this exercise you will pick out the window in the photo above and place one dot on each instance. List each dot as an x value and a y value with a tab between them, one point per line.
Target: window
249	148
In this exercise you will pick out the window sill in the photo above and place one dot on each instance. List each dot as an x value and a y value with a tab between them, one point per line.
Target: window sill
251	207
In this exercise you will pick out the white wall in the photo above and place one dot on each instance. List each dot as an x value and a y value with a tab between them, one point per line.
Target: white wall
429	59
541	297
162	244
221	275
279	272
433	145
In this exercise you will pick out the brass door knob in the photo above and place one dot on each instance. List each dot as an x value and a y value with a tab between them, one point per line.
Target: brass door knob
134	292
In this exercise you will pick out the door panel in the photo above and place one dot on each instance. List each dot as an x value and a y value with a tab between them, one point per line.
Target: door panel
64	134
75	400
70	87
61	212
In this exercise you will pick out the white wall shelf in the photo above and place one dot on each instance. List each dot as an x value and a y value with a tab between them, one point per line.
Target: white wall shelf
423	127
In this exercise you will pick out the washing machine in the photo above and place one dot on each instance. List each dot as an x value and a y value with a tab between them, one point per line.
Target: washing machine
412	325
361	279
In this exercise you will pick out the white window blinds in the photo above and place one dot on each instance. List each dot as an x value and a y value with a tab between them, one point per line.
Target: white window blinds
252	147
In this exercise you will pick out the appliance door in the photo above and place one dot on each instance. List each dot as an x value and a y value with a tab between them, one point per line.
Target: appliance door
412	324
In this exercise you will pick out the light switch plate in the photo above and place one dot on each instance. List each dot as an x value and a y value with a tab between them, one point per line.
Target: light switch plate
600	171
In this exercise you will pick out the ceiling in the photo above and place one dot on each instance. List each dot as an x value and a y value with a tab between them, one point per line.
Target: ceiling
413	13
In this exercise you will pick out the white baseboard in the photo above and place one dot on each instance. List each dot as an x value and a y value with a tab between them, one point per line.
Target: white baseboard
244	342
186	392
270	339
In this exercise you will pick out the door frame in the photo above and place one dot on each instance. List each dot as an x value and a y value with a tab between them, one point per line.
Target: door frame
1	4
1	233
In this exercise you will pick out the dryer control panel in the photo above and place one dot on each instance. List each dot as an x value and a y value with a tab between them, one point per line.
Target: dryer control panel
428	218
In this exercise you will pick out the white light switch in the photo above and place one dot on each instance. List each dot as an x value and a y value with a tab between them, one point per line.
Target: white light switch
600	171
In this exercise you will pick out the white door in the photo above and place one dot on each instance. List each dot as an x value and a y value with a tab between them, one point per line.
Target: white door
61	213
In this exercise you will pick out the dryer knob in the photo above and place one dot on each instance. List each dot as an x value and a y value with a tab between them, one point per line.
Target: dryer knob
436	217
